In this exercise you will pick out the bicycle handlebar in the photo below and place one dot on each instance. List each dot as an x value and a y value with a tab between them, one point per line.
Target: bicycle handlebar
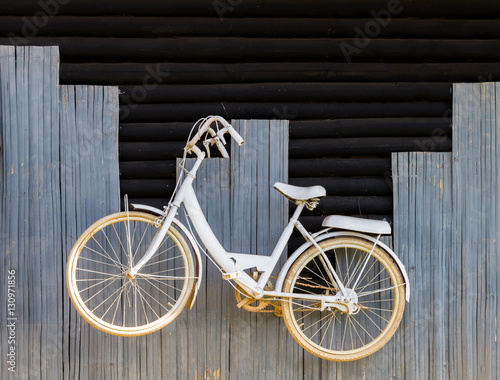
217	137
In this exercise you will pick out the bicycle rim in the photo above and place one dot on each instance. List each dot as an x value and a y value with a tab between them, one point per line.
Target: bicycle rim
113	302
332	333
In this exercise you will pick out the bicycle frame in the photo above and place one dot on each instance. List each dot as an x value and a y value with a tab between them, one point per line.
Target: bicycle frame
232	263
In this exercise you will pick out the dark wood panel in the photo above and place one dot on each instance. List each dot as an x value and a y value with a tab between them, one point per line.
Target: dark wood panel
288	92
348	186
154	131
353	204
401	127
147	169
159	188
298	168
366	146
256	8
102	26
288	111
144	74
340	167
154	188
213	49
150	151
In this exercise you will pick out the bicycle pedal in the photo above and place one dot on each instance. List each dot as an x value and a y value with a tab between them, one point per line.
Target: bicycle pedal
231	276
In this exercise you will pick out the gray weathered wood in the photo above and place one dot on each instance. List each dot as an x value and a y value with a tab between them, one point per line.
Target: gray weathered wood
422	238
258	216
447	229
238	200
59	173
476	226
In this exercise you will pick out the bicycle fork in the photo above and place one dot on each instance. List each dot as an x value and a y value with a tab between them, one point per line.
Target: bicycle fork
172	212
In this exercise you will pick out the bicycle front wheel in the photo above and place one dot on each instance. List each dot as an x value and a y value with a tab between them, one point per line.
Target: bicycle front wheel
333	333
103	294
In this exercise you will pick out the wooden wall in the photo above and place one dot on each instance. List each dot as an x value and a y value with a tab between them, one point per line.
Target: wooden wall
446	229
59	159
357	80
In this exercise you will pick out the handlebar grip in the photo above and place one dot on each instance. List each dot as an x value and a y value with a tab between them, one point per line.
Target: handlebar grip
236	136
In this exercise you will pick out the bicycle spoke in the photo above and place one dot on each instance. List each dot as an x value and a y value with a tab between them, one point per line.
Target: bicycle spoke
315	323
142	238
92	271
150	296
99	283
116	300
143	300
101	262
121	244
379	290
336	333
367	316
117	263
355	270
98	306
363	269
376	282
159	289
360	325
162	261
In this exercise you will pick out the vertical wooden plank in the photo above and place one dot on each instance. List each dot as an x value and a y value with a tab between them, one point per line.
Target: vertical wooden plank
206	325
89	183
475	168
246	215
258	217
30	204
422	238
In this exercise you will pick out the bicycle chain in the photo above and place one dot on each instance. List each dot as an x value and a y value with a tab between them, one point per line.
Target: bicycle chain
263	302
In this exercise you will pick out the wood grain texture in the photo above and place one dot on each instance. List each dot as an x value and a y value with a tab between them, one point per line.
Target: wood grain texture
59	174
247	216
476	171
422	238
446	228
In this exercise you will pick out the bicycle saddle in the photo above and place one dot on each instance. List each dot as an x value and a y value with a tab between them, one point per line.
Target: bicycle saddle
299	194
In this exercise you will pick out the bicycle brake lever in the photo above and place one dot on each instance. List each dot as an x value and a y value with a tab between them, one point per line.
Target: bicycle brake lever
220	135
206	144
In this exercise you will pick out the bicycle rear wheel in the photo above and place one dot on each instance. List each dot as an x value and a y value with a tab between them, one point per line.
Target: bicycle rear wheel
337	335
103	294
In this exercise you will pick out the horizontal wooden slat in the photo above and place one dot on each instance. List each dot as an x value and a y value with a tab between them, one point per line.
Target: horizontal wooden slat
404	126
322	168
213	49
288	92
352	204
307	148
154	188
147	169
366	146
348	186
201	73
150	151
108	26
255	8
287	111
332	128
341	167
158	188
313	222
154	131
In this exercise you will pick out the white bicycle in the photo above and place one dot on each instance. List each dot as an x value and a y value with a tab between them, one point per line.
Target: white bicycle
341	294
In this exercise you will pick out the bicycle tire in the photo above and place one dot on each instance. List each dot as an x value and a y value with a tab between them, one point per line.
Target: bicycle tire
381	300
97	282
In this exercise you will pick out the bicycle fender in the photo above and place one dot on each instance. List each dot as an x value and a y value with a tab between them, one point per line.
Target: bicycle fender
305	246
192	242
